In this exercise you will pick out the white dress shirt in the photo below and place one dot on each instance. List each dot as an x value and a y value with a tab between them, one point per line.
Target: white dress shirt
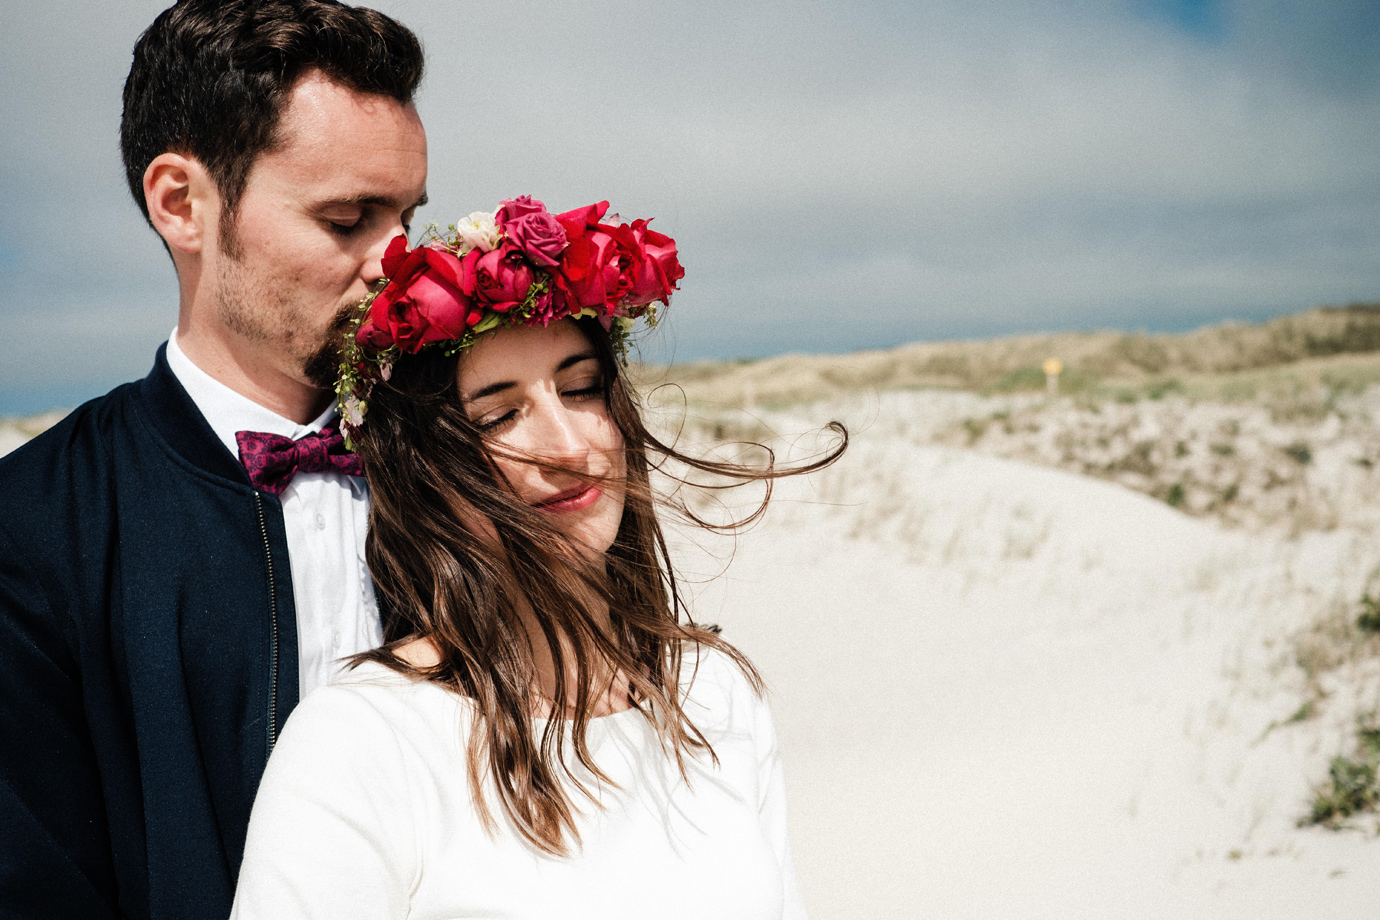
326	516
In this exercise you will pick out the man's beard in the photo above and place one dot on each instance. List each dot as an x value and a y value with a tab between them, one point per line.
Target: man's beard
238	291
323	367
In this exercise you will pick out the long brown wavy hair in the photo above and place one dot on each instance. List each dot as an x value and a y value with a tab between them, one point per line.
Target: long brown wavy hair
429	467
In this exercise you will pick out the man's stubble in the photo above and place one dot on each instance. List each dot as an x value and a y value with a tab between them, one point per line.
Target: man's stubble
259	312
323	366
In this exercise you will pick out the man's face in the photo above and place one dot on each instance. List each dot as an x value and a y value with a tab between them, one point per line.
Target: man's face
316	215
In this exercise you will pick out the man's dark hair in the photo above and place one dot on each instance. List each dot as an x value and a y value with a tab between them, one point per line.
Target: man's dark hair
211	78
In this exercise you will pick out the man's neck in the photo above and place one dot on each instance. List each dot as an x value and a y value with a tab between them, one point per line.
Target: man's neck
257	381
229	412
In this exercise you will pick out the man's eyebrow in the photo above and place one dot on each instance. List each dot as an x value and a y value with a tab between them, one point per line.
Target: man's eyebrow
375	200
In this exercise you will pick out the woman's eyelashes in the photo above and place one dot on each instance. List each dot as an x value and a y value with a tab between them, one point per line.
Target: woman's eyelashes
500	417
585	389
490	424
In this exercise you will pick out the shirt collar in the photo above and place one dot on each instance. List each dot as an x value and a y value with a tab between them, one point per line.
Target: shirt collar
227	411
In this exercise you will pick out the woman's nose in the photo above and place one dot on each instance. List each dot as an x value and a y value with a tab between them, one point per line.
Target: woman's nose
559	437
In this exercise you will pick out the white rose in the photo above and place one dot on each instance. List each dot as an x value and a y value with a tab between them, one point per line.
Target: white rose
478	231
354	411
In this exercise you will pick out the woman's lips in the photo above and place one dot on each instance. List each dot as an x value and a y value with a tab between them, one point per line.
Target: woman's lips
577	498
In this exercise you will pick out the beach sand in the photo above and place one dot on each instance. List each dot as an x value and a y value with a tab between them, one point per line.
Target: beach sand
1007	691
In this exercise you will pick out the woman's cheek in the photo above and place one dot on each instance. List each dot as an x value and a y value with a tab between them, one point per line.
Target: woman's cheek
519	476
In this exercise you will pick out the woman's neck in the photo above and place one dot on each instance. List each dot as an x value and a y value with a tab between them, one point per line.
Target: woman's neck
608	687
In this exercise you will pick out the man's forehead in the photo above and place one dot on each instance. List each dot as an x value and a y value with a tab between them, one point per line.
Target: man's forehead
324	114
337	145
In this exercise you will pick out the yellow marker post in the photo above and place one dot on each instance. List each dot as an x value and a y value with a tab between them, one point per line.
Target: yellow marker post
1053	368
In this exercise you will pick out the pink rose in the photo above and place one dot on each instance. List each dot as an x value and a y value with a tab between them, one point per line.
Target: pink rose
540	236
513	208
499	279
424	301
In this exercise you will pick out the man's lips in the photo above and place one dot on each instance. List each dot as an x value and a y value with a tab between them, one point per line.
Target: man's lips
576	498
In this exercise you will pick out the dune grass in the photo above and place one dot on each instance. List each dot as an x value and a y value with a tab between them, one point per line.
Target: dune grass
1336	347
1353	784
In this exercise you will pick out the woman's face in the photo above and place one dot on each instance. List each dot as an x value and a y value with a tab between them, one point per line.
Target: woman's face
539	392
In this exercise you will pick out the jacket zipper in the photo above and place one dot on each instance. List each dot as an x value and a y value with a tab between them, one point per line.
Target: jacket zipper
273	635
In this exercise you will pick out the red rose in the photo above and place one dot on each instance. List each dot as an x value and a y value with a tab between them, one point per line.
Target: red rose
424	302
591	267
656	268
576	221
591	272
500	278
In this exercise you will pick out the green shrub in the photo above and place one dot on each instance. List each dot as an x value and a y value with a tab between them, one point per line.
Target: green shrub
1162	388
1025	378
1299	452
1369	619
1352	786
1350	790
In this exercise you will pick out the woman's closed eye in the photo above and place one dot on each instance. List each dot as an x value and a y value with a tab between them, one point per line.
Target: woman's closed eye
495	421
584	389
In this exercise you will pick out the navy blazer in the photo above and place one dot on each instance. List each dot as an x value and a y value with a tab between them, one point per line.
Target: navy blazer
148	657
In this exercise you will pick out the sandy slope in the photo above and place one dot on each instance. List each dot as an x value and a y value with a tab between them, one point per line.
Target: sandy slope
1008	691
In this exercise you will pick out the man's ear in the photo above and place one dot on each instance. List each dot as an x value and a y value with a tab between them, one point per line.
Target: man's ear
183	202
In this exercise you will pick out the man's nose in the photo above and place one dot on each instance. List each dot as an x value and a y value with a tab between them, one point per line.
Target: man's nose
373	263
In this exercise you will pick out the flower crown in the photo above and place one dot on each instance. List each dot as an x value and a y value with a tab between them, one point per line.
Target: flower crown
519	266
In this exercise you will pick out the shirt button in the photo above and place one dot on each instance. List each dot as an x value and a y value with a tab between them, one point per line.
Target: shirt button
335	640
320	522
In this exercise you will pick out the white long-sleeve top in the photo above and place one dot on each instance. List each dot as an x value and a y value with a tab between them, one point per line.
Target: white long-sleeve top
365	811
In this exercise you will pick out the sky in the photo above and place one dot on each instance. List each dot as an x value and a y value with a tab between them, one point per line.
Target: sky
838	175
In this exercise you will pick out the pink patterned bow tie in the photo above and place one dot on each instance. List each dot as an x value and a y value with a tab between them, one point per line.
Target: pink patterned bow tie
272	460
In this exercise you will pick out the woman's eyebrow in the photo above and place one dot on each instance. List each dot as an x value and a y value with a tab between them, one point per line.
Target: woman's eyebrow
576	359
502	385
489	390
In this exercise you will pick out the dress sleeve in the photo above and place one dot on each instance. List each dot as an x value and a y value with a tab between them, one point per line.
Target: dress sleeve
332	835
772	806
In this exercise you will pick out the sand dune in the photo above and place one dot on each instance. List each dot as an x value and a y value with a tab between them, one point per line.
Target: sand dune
1008	691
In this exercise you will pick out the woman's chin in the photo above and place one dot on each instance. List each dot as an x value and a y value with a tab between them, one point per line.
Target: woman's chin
596	527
